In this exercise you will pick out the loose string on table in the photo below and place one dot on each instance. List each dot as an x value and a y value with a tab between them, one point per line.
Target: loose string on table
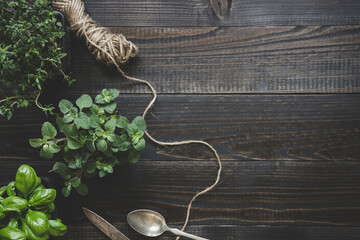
115	49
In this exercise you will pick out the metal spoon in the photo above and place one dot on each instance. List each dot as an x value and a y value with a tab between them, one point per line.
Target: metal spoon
152	224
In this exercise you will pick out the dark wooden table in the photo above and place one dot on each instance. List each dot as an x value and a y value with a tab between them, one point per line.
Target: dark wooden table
273	85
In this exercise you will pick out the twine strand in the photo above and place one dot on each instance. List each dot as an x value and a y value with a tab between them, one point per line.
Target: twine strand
115	49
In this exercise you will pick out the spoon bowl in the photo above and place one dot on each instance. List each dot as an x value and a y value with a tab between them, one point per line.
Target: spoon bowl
152	224
147	222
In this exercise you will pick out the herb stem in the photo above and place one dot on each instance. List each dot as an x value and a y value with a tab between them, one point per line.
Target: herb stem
60	140
8	98
37	102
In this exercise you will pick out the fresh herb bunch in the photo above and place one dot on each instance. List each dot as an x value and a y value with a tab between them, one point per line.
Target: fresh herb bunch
95	138
26	207
30	53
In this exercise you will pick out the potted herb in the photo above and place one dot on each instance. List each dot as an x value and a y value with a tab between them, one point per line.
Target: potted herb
26	207
92	137
30	53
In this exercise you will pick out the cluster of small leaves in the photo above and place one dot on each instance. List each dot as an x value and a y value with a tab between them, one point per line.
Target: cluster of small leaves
30	53
95	139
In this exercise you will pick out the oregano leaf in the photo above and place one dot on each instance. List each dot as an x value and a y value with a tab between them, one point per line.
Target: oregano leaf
45	152
109	108
65	106
48	130
37	142
82	189
75	182
82	121
140	123
54	148
110	125
84	101
101	145
74	143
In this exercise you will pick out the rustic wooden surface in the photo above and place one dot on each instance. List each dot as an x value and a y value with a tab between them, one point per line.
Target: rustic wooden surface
273	85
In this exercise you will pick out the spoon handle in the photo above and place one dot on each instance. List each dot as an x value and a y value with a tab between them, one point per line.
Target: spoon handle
184	234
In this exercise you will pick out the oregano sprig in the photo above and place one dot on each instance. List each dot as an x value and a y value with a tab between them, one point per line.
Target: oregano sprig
92	137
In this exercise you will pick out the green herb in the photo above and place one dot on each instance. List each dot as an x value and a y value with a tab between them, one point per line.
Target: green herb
93	139
30	54
26	213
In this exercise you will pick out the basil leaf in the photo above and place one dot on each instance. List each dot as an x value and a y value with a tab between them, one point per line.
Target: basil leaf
57	228
30	235
14	203
10	189
2	213
13	223
26	180
42	198
2	190
38	222
10	233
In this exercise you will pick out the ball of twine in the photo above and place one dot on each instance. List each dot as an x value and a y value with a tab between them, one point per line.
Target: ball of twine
99	40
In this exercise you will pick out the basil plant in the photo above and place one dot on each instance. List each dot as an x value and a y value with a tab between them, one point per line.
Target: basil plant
92	138
26	207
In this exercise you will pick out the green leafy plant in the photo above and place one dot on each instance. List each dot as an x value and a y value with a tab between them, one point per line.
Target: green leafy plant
26	207
94	138
30	53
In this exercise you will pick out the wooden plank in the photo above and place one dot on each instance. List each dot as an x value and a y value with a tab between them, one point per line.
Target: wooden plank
288	159
239	13
246	127
232	232
250	192
318	59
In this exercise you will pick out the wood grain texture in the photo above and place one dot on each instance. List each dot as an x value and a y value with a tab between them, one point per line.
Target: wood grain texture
241	127
241	13
288	159
318	59
250	193
232	232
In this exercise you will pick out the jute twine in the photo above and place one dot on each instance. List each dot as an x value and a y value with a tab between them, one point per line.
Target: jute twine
115	49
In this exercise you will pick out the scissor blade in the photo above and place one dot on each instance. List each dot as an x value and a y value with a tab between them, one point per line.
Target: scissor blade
104	226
